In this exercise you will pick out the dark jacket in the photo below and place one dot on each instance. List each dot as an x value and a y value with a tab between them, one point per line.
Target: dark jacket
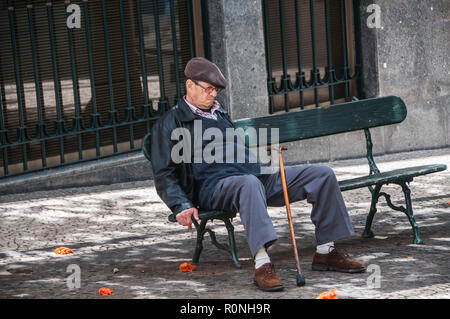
174	183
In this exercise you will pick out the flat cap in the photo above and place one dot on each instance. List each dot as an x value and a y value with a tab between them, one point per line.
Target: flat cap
201	69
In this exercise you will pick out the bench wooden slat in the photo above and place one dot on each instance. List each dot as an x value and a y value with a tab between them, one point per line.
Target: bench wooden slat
390	176
338	118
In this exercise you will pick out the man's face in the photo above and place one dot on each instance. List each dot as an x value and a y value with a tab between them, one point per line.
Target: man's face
200	94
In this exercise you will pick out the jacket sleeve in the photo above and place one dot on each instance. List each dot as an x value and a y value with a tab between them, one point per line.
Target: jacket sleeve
165	172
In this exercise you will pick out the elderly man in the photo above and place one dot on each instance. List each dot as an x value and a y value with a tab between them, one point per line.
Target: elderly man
240	186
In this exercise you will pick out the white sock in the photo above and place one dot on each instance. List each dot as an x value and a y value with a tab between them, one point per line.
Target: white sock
261	257
325	248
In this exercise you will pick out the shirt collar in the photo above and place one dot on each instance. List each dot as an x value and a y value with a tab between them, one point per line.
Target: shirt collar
195	109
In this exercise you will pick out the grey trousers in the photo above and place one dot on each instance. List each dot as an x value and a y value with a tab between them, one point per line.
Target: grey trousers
250	195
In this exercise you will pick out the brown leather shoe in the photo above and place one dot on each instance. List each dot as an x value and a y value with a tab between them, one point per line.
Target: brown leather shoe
336	261
266	279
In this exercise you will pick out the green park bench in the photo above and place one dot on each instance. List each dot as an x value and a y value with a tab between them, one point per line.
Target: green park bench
309	123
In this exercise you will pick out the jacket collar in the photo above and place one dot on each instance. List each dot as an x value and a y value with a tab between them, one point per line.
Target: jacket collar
185	114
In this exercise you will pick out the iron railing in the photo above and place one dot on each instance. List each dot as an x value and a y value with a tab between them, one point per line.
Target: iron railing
74	95
287	60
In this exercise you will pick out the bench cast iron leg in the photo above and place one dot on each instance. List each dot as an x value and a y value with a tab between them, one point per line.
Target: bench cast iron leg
373	209
232	242
376	194
409	212
201	230
200	234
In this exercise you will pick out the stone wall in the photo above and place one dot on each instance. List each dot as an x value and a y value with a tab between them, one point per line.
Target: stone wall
407	57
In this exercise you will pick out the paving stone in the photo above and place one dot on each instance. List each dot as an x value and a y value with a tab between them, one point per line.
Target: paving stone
125	226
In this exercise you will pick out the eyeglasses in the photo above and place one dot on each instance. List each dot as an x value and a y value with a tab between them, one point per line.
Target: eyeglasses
209	89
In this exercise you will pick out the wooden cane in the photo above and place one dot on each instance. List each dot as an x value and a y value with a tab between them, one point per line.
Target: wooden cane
300	276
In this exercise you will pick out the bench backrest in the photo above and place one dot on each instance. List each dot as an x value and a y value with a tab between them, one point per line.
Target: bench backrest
309	123
337	118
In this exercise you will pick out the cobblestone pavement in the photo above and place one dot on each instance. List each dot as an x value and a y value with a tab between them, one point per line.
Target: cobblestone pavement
121	239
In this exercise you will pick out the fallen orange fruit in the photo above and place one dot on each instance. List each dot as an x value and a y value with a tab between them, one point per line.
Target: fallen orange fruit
184	267
63	251
105	291
331	294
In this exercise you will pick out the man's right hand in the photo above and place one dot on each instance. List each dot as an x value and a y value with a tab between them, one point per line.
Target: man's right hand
184	217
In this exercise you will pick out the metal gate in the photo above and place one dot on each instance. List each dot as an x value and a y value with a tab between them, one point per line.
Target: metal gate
83	80
313	52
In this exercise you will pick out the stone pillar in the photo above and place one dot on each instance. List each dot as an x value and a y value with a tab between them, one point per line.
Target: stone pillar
237	47
369	53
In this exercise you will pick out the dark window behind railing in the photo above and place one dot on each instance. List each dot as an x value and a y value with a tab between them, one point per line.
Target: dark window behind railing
68	95
312	51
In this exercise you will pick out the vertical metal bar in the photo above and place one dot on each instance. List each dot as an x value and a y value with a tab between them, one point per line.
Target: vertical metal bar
77	121
125	55
73	71
146	109
3	136
22	134
358	61
129	111
328	34
2	120
344	50
16	62
175	50
2	89
300	76
313	43
270	82
35	62
113	118
59	123
282	32
205	29
330	75
90	63
190	28
95	116
285	80
162	104
40	126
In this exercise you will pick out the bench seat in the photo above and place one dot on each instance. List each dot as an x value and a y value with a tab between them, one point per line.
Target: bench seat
403	174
